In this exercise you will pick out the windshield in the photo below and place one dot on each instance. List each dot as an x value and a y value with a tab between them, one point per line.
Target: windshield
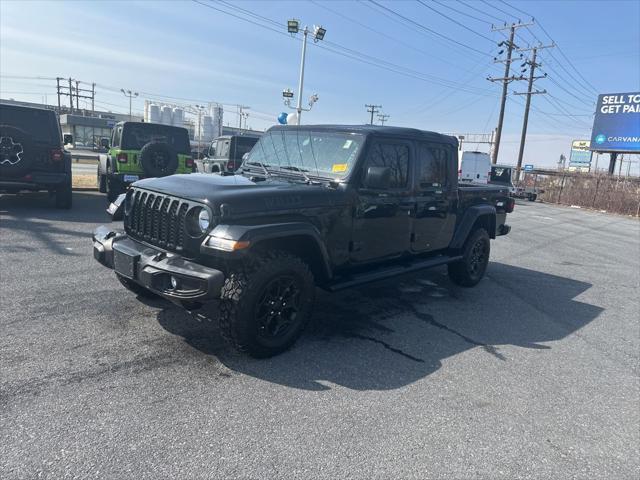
241	146
500	175
325	154
137	135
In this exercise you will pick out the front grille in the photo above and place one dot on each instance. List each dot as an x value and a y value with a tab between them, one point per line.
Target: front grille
157	219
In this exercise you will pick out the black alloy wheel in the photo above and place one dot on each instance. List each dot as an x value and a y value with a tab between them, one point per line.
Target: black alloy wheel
277	310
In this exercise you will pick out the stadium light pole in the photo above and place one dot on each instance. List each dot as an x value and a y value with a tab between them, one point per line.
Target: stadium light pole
293	27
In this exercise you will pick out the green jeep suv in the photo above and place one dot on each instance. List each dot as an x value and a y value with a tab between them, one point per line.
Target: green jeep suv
143	150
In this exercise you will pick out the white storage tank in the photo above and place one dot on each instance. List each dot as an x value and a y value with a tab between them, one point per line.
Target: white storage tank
178	117
154	113
166	114
146	111
217	120
207	128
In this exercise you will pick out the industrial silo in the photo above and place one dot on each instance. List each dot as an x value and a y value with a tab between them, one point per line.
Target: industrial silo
154	113
166	114
178	117
207	128
217	120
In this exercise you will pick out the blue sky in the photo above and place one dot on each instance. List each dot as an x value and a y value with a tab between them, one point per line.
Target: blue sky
186	50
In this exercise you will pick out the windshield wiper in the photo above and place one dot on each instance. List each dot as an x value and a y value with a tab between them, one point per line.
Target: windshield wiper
264	168
299	170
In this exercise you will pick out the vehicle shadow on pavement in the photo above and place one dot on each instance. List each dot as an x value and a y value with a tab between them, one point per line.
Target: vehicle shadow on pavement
392	333
35	216
88	207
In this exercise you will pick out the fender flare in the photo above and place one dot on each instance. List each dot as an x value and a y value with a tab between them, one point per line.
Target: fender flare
255	234
469	218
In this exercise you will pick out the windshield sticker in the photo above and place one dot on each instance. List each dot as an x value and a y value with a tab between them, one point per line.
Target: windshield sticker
347	144
339	167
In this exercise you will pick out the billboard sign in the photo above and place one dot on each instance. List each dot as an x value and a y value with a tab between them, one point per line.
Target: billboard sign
616	126
528	167
580	154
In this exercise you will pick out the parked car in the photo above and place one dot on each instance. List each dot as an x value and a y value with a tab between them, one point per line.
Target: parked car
475	167
142	150
329	206
225	153
502	175
32	157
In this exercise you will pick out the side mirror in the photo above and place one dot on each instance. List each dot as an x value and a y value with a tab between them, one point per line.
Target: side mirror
104	143
377	178
67	139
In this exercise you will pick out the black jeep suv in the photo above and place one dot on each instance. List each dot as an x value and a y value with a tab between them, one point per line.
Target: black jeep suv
327	205
32	157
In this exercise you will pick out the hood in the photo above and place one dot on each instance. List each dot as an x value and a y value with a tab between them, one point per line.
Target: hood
240	195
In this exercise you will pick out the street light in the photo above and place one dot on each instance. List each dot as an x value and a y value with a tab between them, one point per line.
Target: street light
293	27
130	94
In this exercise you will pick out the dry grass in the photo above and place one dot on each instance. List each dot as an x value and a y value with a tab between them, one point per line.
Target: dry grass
84	181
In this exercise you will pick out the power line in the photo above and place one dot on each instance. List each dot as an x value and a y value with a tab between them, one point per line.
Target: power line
461	12
501	20
455	21
390	37
499	9
359	56
427	29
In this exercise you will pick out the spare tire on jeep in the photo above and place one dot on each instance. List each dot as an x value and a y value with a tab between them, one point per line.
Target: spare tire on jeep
158	159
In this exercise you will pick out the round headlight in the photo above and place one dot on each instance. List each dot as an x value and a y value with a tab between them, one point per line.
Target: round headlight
204	220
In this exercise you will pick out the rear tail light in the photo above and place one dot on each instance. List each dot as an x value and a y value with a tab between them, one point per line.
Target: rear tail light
57	155
188	162
511	203
231	166
123	158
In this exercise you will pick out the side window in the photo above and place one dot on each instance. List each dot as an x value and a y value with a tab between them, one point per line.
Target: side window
432	165
392	155
117	134
223	149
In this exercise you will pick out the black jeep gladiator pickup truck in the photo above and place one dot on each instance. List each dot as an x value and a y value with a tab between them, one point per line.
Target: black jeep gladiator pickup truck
329	206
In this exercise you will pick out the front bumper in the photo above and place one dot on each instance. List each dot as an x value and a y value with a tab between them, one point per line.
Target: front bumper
35	181
154	269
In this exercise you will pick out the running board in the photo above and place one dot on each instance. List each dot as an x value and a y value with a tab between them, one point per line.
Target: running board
386	272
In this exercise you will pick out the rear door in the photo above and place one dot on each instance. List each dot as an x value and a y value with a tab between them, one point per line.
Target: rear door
436	197
383	217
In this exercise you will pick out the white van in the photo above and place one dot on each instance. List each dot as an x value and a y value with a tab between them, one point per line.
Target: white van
475	167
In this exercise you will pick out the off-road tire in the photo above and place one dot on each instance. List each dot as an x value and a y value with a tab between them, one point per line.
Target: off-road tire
64	196
470	270
532	197
102	181
135	288
241	296
149	163
113	186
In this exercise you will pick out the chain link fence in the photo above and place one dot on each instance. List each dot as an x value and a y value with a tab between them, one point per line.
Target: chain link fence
598	191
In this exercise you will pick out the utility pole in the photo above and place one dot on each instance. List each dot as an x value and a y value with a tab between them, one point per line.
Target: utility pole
241	115
58	90
383	118
532	69
372	109
129	94
77	94
71	95
93	98
506	79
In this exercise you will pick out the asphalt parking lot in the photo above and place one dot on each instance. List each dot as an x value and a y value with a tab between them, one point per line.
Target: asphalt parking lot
532	374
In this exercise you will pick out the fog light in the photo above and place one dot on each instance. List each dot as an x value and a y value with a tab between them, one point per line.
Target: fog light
174	282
